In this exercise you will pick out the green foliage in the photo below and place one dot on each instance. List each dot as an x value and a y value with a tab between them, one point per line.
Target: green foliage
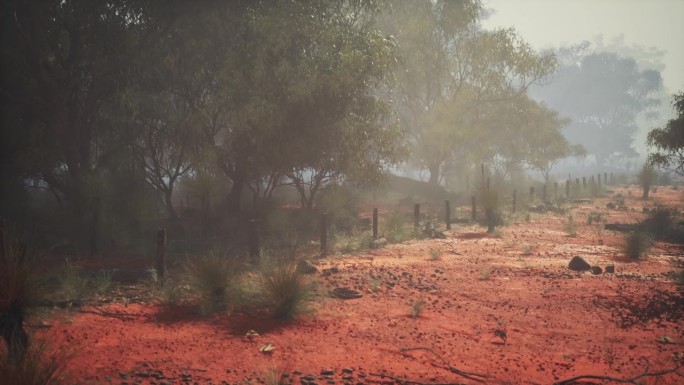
341	204
352	242
282	288
167	292
435	254
485	274
661	222
594	216
42	365
646	177
669	140
570	228
73	287
398	227
212	278
636	244
417	308
488	200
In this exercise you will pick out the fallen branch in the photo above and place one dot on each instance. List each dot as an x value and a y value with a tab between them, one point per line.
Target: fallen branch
632	380
409	382
469	375
104	313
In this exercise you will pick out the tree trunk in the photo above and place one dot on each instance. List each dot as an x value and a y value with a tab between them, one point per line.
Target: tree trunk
235	194
168	202
434	174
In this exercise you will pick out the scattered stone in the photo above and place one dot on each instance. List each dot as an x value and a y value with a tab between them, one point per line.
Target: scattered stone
325	372
611	205
610	269
578	264
345	293
596	270
378	243
306	267
330	271
348	370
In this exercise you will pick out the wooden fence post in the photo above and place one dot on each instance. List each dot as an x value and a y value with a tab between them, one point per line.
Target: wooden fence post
253	239
447	214
555	191
584	183
605	178
161	256
375	223
515	192
567	189
599	180
531	194
324	234
473	213
544	193
416	217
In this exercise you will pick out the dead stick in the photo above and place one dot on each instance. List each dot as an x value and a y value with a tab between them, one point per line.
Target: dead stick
406	382
632	380
462	373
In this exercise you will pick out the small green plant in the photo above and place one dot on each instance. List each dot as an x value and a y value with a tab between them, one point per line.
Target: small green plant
398	228
570	226
636	244
213	279
103	282
485	274
283	289
40	365
417	308
352	242
275	376
166	292
594	216
527	249
74	287
374	283
435	254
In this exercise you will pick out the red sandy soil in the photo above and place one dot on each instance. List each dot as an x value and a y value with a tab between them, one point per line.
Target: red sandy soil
559	323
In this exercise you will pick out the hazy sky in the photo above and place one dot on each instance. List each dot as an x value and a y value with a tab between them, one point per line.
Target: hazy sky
551	23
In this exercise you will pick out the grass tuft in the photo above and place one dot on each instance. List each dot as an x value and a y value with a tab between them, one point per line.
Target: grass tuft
213	279
283	289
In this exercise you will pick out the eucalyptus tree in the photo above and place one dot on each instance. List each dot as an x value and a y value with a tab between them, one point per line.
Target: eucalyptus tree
64	63
452	70
668	141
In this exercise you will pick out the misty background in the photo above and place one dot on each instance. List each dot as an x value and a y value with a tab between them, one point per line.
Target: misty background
122	116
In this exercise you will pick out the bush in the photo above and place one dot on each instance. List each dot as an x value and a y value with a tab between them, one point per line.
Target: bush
41	365
73	288
213	279
417	308
570	226
636	244
341	204
166	291
351	242
398	227
488	199
646	177
282	288
660	221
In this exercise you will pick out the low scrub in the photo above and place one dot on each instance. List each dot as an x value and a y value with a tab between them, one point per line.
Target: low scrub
41	365
398	227
282	289
636	245
212	278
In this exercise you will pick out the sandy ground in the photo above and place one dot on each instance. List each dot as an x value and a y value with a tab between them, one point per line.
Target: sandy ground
558	323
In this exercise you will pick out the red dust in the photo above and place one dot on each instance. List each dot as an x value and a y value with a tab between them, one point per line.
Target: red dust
558	323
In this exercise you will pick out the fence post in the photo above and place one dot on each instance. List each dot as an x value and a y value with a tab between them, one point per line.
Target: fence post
544	193
605	178
584	183
515	192
531	194
473	213
375	223
161	255
555	191
447	215
416	217
578	185
324	234
567	189
599	180
253	239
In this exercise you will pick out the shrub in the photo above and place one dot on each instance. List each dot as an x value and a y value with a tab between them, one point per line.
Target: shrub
212	278
341	204
283	289
398	227
646	177
41	365
594	216
435	254
417	308
660	221
570	226
166	291
636	244
488	199
73	287
352	242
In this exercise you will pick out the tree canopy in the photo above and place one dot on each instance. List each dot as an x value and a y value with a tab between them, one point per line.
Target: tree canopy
668	141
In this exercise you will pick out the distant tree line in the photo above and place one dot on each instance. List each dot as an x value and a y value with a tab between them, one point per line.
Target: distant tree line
108	107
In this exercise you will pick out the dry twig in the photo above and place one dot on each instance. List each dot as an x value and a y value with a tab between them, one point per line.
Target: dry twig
469	375
632	380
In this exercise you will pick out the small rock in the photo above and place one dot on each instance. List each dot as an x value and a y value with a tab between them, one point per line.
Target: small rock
596	270
345	293
348	370
306	267
610	269
378	243
327	372
578	264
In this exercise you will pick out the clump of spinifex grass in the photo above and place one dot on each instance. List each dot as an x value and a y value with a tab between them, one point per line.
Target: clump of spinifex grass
636	245
213	279
282	288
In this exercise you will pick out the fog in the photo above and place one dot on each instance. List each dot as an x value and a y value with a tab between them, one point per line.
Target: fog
127	116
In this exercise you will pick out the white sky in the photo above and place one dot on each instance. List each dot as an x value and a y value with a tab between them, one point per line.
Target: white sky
552	23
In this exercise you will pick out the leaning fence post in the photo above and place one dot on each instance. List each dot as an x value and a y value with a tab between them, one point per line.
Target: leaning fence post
253	239
473	213
447	214
515	192
375	223
324	234
161	255
416	217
